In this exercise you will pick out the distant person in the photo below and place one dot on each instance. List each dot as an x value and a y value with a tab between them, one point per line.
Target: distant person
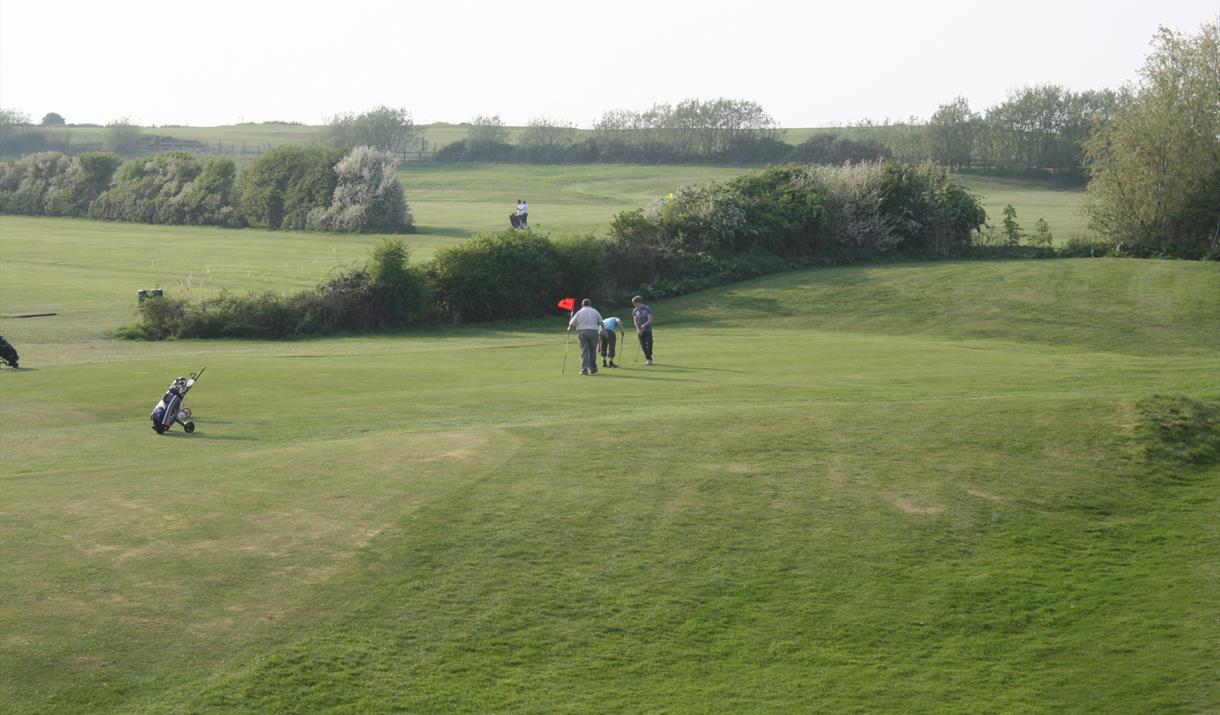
514	218
642	315
588	325
608	343
523	212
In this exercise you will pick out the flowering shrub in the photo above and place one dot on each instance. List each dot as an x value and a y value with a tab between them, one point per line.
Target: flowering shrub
171	188
368	196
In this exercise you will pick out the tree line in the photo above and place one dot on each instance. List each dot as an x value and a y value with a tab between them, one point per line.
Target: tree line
289	187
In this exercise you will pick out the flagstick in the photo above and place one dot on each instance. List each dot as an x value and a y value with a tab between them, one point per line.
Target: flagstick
566	342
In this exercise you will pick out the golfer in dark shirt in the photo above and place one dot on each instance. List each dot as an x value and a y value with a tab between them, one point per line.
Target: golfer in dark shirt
642	315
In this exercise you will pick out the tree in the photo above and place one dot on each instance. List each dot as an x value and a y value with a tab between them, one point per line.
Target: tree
1042	234
1155	186
52	119
384	128
122	137
17	137
1012	229
367	196
951	133
280	188
485	133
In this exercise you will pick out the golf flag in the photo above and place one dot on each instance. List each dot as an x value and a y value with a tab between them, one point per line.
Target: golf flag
568	304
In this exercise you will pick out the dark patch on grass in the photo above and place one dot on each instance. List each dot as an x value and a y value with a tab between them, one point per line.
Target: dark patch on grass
1180	430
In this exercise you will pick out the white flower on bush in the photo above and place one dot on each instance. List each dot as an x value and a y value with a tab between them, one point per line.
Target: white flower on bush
368	196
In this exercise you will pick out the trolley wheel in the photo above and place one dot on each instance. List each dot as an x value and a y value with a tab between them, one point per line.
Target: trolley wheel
189	427
159	429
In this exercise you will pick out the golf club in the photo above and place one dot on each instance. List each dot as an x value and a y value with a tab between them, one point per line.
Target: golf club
565	353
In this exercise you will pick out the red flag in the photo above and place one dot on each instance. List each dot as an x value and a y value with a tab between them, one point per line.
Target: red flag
568	304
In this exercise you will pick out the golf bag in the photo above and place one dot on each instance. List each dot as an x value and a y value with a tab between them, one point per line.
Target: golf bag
515	220
170	409
8	353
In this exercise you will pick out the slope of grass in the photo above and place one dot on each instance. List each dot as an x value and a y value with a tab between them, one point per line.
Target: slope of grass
916	487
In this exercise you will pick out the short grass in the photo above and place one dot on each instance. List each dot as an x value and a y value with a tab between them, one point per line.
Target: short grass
1060	206
919	487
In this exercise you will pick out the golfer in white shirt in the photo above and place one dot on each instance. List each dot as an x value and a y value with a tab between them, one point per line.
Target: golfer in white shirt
588	323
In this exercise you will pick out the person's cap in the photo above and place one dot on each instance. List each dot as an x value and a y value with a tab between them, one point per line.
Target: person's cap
637	299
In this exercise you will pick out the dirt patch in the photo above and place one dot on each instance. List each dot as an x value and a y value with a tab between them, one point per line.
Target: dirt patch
912	508
977	494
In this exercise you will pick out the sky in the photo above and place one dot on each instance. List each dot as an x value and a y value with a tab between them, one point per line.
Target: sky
807	63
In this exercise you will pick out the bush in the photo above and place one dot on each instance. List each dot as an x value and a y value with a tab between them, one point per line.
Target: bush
384	293
799	213
173	188
827	148
1085	247
499	275
582	265
400	291
25	183
123	137
88	178
934	214
367	197
280	188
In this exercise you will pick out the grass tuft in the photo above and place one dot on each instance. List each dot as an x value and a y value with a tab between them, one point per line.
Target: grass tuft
1181	430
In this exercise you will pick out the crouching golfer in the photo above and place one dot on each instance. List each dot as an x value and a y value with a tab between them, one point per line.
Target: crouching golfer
642	315
611	327
588	324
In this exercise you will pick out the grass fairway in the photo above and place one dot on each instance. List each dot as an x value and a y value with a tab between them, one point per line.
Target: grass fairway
917	487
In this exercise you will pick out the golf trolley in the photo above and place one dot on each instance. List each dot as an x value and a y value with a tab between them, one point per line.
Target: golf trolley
8	354
170	409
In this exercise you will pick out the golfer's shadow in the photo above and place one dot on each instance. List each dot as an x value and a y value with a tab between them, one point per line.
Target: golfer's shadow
209	437
617	375
683	368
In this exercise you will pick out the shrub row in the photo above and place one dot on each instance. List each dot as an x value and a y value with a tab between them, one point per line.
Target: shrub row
385	293
777	219
818	149
290	187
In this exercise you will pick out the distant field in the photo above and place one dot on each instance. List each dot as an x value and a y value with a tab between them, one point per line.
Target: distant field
1060	207
917	487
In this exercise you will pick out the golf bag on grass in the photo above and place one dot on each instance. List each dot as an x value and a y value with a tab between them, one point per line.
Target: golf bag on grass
515	221
8	353
170	409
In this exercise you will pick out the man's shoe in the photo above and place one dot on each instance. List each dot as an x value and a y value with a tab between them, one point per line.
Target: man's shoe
584	372
648	362
593	371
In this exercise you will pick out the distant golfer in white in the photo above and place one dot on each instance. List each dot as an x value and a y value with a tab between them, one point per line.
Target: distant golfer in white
588	324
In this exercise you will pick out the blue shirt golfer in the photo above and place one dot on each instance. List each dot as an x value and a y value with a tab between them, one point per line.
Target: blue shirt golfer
588	325
607	345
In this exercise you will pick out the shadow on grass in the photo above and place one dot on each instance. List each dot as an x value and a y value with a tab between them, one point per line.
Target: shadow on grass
446	231
684	368
626	376
209	437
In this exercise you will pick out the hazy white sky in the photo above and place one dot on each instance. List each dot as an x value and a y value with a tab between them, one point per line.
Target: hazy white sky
807	63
